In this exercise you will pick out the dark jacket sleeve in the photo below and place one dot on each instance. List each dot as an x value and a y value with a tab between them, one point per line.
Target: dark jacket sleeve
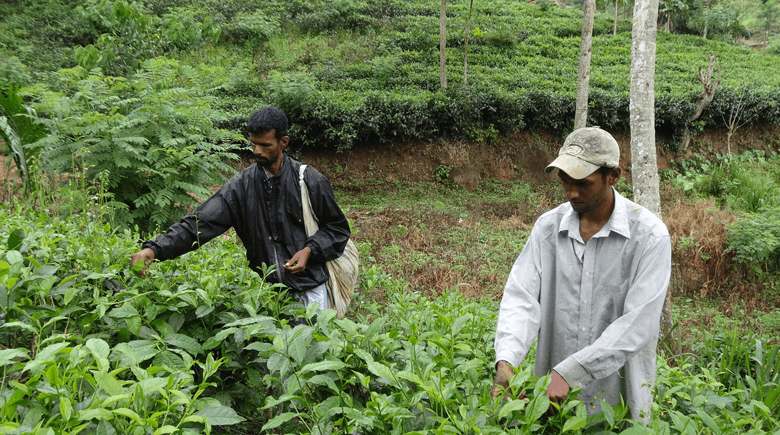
210	219
328	242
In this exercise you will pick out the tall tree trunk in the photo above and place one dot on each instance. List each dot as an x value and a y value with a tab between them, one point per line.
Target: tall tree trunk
614	27
443	44
583	82
644	166
466	44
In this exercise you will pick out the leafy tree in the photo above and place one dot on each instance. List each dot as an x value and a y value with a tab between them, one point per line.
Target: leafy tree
151	132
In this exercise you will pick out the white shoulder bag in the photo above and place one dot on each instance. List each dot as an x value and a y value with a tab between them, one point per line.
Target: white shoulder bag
343	270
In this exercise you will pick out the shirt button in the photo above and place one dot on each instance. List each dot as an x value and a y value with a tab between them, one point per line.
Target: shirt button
269	237
583	329
587	273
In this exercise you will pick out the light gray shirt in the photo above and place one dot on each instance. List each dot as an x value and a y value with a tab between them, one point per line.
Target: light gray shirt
595	306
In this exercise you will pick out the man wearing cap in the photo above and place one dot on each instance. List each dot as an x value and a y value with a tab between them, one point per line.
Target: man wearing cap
590	283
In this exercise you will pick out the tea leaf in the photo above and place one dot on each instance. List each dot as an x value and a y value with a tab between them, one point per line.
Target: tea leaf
15	239
279	420
185	342
123	312
381	371
510	407
107	382
322	366
220	415
9	356
95	413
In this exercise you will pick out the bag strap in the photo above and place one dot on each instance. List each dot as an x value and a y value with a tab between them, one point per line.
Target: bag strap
309	218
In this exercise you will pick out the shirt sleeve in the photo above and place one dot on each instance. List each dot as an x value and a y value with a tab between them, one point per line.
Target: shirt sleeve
636	328
210	219
519	313
329	241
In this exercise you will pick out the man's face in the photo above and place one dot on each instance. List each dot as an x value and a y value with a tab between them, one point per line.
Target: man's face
267	149
588	193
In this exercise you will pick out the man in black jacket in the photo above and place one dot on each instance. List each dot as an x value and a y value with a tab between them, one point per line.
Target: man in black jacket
263	204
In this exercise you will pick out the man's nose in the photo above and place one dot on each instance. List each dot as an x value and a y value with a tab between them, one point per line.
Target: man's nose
571	193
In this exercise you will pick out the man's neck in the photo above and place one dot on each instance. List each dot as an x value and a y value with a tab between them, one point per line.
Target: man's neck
273	169
591	222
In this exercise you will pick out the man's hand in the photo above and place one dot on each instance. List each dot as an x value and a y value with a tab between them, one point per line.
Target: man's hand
146	256
298	262
504	374
557	391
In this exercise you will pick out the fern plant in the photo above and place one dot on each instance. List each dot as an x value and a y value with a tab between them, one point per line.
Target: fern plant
18	127
152	132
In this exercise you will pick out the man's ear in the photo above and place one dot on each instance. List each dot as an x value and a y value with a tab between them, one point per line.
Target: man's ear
284	141
614	175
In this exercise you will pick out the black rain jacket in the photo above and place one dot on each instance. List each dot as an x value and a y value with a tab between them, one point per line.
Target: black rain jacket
267	215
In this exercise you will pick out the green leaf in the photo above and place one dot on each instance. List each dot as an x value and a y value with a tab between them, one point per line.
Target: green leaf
381	370
278	363
322	366
14	257
123	312
107	382
66	408
639	430
538	406
47	355
510	407
460	323
94	413
220	415
9	356
100	350
279	420
46	271
185	342
165	430
105	428
609	413
576	422
15	239
169	360
251	320
134	324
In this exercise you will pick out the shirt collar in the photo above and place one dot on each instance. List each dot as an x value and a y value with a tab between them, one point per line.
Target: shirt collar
618	221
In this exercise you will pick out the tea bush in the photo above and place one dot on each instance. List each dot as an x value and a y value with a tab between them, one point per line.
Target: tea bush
522	65
204	342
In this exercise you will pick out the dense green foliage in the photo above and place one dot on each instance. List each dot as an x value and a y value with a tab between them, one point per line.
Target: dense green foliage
17	129
202	342
366	71
748	184
159	78
150	136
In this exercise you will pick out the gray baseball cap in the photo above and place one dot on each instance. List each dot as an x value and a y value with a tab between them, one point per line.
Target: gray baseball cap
584	151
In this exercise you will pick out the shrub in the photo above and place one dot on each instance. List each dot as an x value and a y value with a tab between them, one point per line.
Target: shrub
755	239
250	28
159	144
131	36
